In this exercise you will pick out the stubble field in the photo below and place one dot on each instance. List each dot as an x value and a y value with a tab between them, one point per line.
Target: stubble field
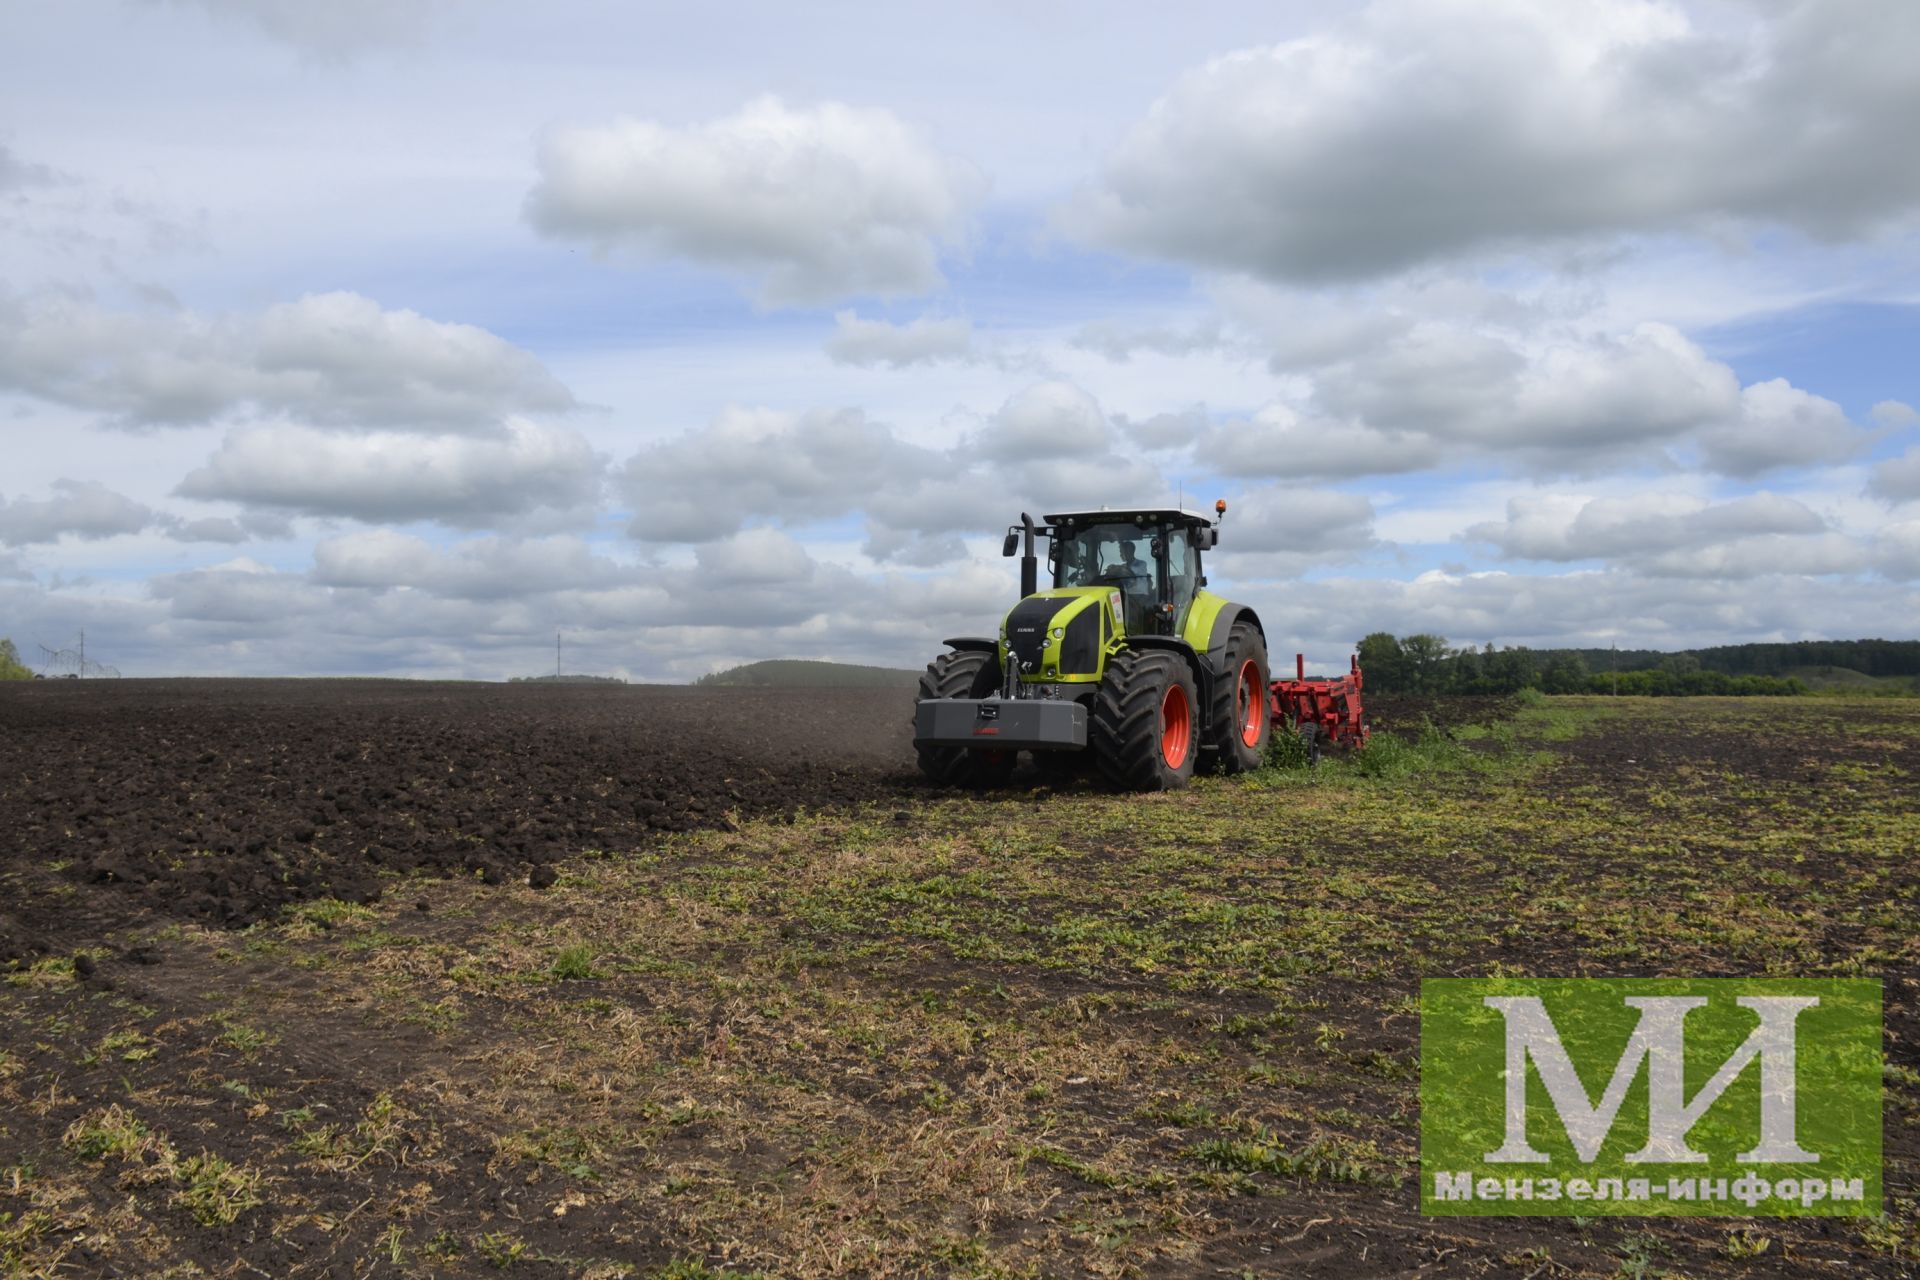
281	1000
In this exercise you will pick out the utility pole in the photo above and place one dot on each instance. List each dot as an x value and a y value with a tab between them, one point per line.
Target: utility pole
1613	650
83	653
556	653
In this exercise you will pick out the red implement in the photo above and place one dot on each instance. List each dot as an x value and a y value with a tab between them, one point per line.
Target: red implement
1327	712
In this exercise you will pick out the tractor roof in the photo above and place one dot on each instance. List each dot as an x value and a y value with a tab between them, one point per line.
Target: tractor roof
1141	515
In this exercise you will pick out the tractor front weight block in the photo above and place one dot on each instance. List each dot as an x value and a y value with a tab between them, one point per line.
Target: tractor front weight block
1000	724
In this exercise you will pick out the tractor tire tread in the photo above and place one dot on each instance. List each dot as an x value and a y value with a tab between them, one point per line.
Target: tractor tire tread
1228	753
1124	729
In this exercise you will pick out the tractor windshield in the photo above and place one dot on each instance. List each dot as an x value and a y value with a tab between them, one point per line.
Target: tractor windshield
1117	554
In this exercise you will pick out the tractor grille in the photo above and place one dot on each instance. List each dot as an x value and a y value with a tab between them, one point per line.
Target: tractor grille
1080	647
1027	631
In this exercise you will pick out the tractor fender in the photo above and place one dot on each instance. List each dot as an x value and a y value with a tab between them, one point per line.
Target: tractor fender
1203	673
972	644
1223	627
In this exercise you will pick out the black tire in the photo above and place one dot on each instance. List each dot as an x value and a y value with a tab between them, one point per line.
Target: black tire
1134	726
966	673
1228	717
1310	734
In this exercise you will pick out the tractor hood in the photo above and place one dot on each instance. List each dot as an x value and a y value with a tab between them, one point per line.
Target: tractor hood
1059	634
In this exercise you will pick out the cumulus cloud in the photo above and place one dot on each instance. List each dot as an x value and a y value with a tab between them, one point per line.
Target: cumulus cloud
1569	402
491	568
1047	420
1281	531
1897	479
88	510
1278	441
812	203
1778	425
1672	535
765	464
82	508
335	31
1050	447
331	359
393	476
1582	398
1423	129
1895	415
925	340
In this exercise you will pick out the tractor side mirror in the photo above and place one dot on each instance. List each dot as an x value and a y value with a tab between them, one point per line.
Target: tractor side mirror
1012	544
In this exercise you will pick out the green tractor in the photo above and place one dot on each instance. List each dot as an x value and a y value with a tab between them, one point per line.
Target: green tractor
1125	656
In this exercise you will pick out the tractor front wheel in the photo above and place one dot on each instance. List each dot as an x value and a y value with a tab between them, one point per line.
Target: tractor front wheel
1241	723
1145	728
966	673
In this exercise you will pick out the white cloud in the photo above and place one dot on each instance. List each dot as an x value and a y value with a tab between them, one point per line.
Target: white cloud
1555	402
766	464
1779	425
84	509
924	340
1283	530
1897	479
1895	415
1277	441
814	203
392	476
331	359
1675	535
1424	129
1047	420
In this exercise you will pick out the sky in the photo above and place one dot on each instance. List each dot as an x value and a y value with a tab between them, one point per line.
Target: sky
397	337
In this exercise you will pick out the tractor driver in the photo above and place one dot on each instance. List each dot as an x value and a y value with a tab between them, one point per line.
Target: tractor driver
1137	585
1132	566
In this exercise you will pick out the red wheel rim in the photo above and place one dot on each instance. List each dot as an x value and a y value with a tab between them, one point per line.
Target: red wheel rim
1253	706
1176	725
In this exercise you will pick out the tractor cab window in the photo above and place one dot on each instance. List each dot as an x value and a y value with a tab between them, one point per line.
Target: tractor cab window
1183	573
1114	554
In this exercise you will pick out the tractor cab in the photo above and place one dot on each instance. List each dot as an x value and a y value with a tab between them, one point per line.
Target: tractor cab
1151	557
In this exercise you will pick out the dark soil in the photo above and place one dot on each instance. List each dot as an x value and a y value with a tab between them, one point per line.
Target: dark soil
1408	714
222	801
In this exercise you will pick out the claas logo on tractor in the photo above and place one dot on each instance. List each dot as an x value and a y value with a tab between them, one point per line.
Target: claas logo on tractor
1123	657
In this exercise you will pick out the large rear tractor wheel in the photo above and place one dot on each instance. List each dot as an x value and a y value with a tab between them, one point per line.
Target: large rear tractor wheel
966	673
1145	728
1240	725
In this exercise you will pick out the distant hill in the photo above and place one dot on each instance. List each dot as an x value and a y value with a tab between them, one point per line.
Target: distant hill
794	673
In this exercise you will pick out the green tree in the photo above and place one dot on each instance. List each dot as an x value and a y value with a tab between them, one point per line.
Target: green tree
11	668
1383	664
1565	672
1425	658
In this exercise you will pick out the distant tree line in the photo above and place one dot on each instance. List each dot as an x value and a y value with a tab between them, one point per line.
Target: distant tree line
1869	657
1425	664
11	668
